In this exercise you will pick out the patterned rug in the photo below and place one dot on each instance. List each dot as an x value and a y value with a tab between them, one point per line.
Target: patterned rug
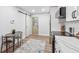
32	46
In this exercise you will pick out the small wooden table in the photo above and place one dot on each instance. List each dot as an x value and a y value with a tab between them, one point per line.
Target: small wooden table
17	36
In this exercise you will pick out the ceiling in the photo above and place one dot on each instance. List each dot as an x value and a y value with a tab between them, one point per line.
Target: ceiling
35	9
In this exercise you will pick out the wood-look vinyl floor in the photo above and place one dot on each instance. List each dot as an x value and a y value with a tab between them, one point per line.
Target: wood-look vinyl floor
48	48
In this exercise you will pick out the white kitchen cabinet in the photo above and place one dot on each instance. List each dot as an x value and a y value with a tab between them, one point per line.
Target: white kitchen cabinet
71	11
64	44
78	13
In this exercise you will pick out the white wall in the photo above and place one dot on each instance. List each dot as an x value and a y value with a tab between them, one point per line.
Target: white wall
55	25
70	21
43	22
28	25
20	23
74	24
6	15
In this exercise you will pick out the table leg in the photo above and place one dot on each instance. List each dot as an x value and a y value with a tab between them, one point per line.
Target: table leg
13	43
6	45
53	44
2	44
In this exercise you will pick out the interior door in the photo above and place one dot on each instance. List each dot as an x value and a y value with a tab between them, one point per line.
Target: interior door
34	25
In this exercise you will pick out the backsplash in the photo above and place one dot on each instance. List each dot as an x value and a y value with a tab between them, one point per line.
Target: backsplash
72	24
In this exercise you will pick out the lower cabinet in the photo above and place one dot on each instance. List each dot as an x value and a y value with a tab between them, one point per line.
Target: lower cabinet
63	44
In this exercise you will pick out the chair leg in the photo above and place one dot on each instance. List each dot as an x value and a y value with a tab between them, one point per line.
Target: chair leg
18	41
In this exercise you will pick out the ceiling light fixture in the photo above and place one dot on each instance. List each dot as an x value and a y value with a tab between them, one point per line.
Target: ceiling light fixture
33	10
42	10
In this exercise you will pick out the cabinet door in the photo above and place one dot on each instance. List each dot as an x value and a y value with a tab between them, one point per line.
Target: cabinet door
78	13
71	13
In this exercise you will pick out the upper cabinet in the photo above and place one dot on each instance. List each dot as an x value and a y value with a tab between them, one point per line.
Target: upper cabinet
72	13
62	13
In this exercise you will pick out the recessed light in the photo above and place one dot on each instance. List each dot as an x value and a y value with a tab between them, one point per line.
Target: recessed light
43	10
33	10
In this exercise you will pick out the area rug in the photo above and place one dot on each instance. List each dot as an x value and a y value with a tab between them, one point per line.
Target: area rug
32	46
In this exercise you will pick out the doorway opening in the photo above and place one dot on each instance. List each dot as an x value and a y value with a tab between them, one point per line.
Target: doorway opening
34	25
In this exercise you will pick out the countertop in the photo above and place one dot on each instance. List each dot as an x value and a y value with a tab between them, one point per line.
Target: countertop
58	33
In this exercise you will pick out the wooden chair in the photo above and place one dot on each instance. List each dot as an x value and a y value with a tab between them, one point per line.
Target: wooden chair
18	36
5	43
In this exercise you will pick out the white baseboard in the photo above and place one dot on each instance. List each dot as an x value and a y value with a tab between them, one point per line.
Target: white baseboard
44	34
